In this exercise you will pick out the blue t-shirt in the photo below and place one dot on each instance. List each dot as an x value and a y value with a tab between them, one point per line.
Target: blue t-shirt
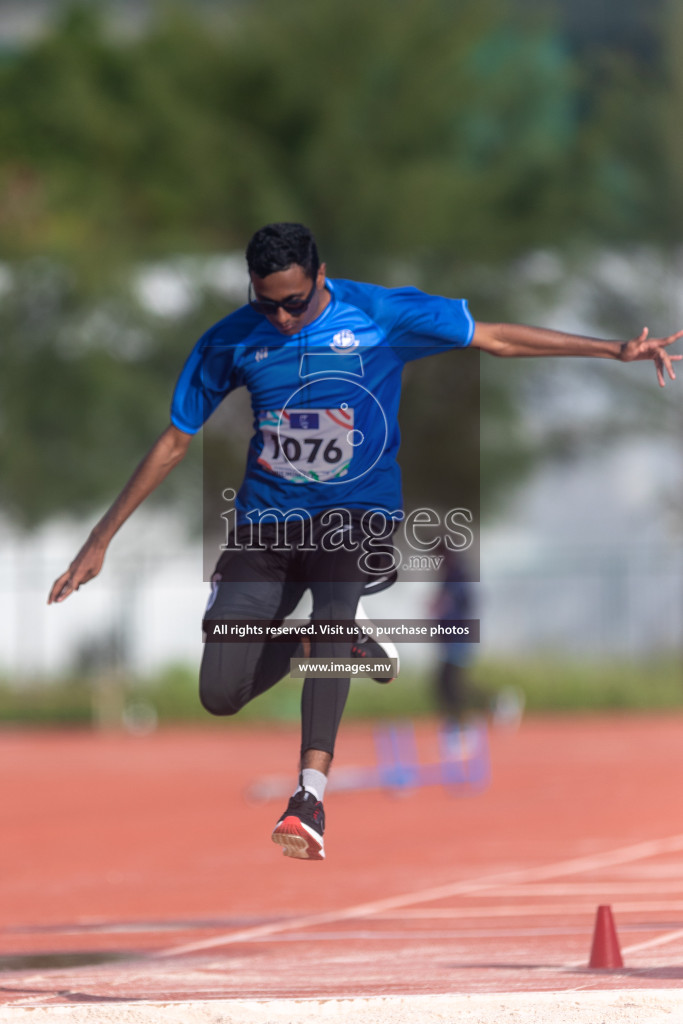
325	400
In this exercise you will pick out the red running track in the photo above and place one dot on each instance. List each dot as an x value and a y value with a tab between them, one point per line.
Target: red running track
132	868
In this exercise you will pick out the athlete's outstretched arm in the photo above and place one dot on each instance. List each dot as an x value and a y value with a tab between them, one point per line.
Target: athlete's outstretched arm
518	340
164	454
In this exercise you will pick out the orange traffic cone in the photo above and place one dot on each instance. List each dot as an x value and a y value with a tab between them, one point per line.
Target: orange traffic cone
605	951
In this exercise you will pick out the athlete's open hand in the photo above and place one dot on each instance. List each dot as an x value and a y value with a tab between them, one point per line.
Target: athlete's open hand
655	349
84	567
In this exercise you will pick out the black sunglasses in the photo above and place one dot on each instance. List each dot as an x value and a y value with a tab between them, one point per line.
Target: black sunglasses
269	307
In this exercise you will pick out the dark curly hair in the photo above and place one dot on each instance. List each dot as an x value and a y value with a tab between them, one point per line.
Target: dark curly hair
278	246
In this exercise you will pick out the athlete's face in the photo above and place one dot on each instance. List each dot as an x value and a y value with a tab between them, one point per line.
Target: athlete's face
291	287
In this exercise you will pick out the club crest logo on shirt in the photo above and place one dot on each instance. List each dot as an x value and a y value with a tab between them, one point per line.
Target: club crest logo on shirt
261	354
344	341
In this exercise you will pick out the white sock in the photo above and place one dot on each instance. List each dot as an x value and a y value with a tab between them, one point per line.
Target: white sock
313	782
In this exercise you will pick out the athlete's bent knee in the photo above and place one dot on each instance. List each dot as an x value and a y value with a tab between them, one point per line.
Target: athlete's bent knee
217	705
216	699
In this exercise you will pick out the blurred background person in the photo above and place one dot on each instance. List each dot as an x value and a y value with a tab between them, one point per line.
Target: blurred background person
455	695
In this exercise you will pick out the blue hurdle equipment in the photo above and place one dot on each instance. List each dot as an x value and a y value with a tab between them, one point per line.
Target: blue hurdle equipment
463	765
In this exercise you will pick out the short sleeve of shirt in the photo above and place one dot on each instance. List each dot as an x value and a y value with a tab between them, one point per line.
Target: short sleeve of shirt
209	374
416	324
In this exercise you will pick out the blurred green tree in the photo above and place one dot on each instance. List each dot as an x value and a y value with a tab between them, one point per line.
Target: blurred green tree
435	133
428	144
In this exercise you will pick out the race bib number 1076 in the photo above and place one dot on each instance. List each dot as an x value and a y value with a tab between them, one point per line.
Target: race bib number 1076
304	445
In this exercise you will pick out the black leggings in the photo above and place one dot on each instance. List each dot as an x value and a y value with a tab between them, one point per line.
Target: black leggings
267	585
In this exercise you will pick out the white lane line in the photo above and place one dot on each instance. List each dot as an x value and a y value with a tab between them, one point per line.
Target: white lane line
526	910
576	865
571	889
454	935
661	940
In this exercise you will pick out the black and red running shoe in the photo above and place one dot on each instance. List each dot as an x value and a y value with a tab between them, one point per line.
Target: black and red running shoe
300	829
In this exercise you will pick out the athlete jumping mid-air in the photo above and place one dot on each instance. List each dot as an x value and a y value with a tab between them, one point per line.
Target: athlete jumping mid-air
322	360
